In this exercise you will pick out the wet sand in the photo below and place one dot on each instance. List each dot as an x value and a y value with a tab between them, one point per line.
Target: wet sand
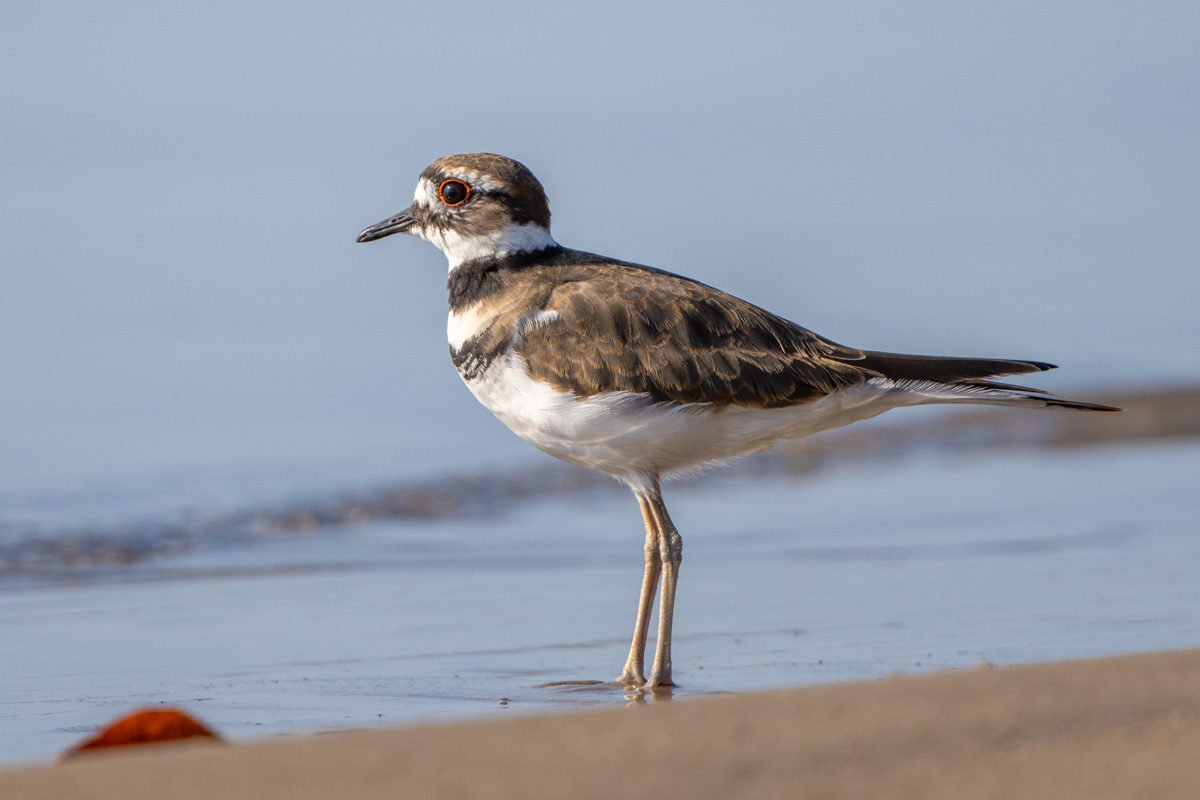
1118	727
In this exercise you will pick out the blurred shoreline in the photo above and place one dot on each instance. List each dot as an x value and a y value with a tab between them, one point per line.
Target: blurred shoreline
87	553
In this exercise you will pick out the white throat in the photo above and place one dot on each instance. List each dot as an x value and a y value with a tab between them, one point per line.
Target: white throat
525	238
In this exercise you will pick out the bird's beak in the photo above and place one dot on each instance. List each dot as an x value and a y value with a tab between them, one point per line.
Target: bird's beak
397	224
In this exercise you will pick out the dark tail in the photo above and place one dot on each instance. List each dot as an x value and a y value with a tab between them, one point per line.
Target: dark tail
945	369
966	377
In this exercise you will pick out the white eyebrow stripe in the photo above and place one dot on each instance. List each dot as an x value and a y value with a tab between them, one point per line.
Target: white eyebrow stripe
476	180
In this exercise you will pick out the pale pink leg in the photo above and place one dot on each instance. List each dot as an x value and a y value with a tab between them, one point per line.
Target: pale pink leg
633	674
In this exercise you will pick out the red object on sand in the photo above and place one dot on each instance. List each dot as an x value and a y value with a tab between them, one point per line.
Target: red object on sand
146	726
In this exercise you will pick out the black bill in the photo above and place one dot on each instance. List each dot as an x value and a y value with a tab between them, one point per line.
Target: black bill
397	224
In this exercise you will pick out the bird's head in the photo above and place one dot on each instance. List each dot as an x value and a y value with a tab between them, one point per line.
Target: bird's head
473	206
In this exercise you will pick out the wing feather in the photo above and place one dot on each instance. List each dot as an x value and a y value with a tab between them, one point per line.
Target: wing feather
624	328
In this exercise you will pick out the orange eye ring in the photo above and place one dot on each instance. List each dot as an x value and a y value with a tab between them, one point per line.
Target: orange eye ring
454	192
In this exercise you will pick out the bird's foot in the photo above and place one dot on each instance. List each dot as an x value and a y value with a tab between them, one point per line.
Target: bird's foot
632	678
659	683
635	681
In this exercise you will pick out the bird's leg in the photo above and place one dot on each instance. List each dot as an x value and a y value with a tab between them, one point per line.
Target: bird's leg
633	674
670	550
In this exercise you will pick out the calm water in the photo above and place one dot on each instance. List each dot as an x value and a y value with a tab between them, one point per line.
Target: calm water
187	328
910	566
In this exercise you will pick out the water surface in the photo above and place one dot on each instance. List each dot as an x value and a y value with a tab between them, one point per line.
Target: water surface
933	562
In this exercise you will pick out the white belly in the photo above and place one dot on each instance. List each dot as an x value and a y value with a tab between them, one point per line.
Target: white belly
633	438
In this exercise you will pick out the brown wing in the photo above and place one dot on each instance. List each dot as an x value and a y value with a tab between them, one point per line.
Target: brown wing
625	328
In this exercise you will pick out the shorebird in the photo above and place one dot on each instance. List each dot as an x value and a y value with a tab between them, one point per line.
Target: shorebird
641	373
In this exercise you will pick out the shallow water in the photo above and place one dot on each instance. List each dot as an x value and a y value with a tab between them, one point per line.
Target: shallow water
917	564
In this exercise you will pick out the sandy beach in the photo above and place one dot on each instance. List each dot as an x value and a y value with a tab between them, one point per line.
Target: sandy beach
1122	727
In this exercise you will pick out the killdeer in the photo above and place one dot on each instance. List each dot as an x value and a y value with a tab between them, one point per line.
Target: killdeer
643	374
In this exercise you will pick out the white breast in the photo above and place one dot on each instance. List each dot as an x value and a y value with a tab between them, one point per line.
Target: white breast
467	323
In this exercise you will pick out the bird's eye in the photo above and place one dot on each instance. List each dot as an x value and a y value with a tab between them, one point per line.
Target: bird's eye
454	193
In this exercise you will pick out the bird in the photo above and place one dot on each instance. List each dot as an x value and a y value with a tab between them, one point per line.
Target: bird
644	374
